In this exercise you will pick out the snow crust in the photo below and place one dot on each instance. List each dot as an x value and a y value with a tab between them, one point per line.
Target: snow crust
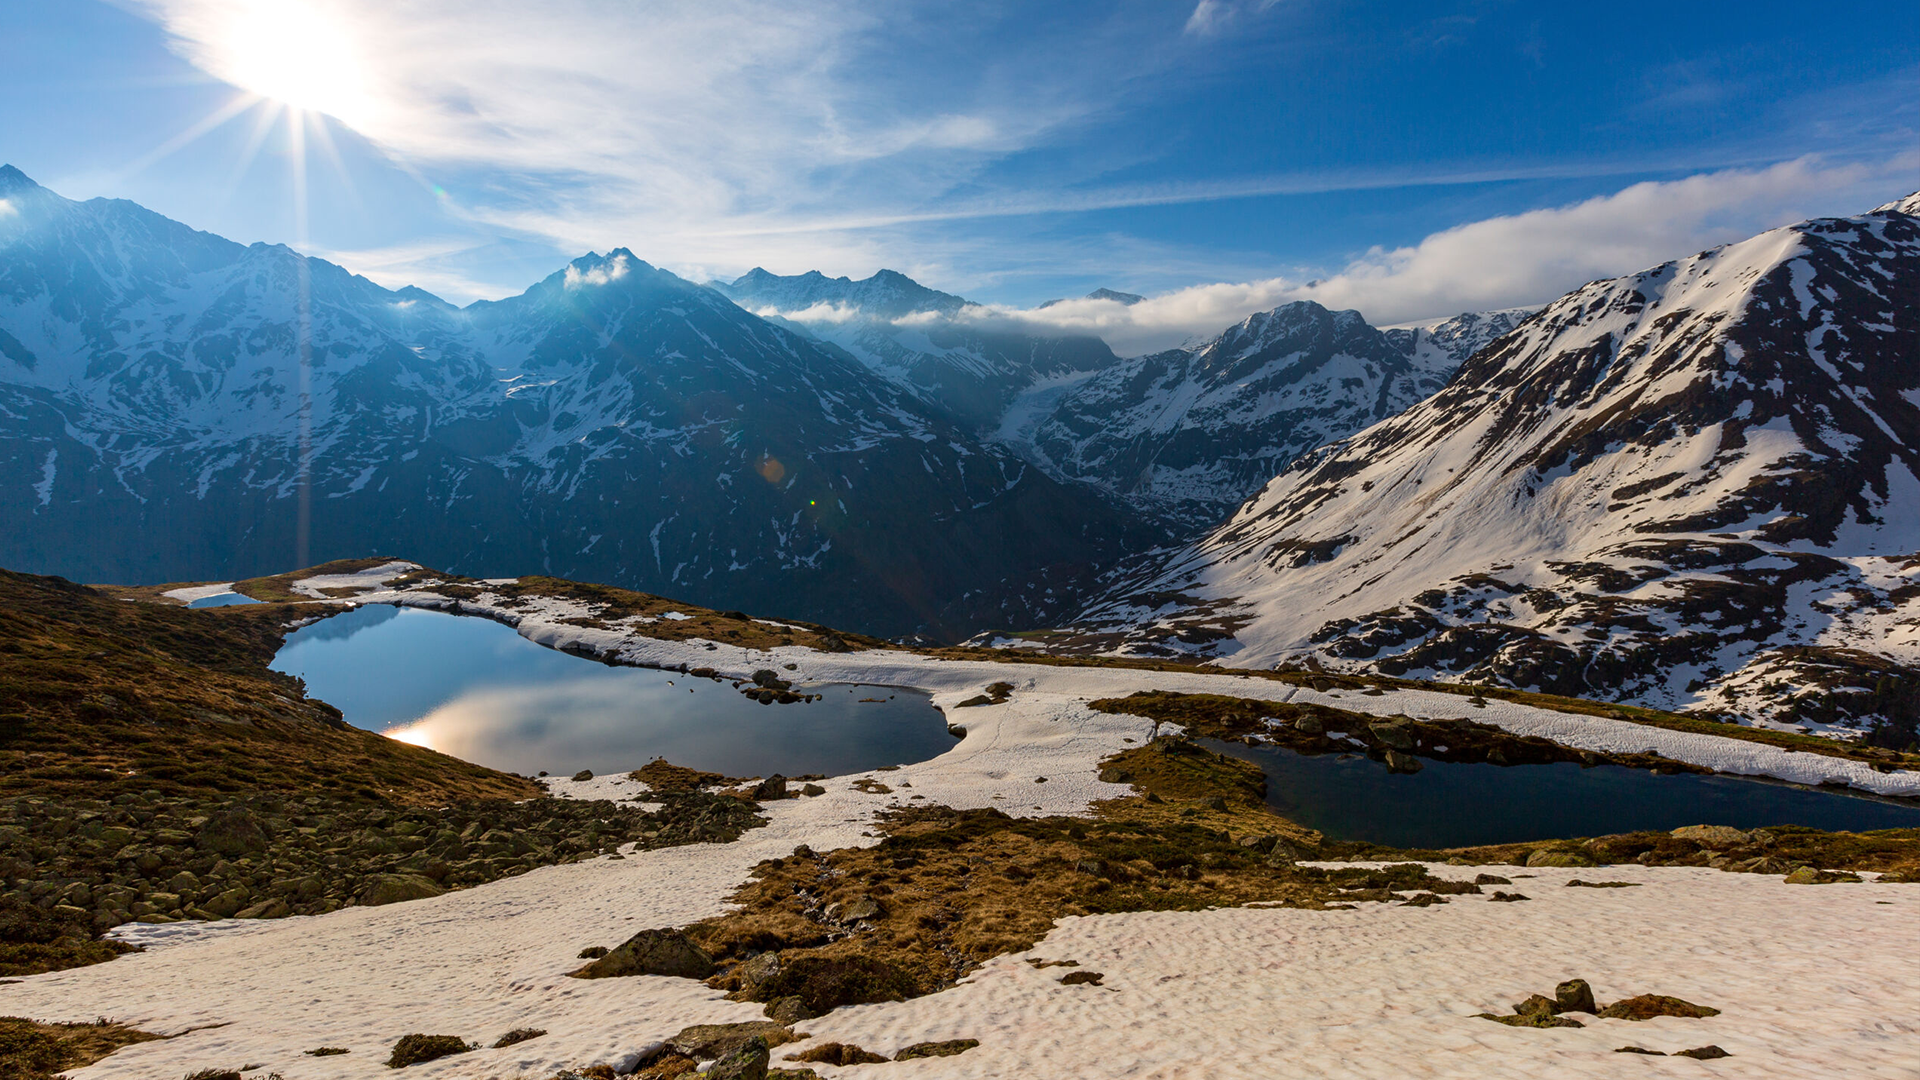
198	592
1379	991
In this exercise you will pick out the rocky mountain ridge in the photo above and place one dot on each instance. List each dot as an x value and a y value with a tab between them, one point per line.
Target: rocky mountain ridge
1694	487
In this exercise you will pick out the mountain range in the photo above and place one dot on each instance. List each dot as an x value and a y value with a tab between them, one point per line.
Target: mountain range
177	406
1693	487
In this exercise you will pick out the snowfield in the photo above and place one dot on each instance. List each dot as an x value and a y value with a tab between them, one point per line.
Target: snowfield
1809	982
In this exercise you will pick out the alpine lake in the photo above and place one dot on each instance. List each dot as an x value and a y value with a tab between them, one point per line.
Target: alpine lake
476	689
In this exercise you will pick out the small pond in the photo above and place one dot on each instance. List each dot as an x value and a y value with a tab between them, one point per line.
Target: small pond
1349	797
476	689
225	599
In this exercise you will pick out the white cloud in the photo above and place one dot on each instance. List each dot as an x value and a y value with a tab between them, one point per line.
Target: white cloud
7	209
1502	262
820	314
612	270
1212	16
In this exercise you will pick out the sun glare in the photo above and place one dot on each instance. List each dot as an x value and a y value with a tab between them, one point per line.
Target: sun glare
292	53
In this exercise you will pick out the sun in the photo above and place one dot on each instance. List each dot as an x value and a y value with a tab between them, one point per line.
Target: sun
292	52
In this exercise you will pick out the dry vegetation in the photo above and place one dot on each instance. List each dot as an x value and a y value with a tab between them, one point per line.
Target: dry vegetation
101	697
36	1051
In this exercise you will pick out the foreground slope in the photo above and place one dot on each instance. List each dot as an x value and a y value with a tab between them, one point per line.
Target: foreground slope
177	406
1693	487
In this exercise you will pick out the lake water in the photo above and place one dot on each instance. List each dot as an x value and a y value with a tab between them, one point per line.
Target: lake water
476	689
1349	797
225	599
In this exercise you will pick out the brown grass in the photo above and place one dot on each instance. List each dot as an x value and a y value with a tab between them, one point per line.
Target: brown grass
30	1050
99	696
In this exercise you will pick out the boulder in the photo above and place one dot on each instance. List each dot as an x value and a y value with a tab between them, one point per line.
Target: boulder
772	788
1309	725
1714	836
583	774
936	1049
394	888
652	952
1396	734
1401	763
1648	1006
1809	875
275	908
703	1041
416	1048
834	1053
747	1063
232	832
229	903
1574	995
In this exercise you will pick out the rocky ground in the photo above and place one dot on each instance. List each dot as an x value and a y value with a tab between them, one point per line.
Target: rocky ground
155	859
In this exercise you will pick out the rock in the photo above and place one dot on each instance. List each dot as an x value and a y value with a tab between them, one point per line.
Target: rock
583	774
1309	725
1401	763
229	903
275	908
788	1010
1648	1006
747	1063
652	952
1506	897
1639	1050
1703	1053
232	832
1261	843
395	888
1214	802
1715	836
703	1041
1081	978
826	983
1536	1003
834	1053
861	907
414	1049
1094	867
1574	995
1396	734
936	1049
518	1035
1809	875
1532	1020
593	952
772	788
1491	879
1543	857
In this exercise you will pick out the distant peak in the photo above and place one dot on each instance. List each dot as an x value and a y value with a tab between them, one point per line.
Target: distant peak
1909	206
12	179
1127	298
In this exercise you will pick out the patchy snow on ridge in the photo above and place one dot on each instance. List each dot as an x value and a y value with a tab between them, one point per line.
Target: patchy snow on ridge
1691	488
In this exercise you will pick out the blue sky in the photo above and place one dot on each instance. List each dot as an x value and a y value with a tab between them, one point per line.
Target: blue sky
1409	159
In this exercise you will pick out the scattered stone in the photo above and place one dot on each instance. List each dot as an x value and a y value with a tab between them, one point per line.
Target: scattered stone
1506	897
936	1049
1532	1020
1491	879
1703	1053
1081	978
232	832
811	790
1716	836
1214	802
823	984
518	1035
1401	763
1544	857
327	1051
1639	1050
583	774
1810	875
593	952
703	1041
1424	899
416	1048
651	952
771	789
1576	883
749	1062
1648	1006
1574	995
834	1053
395	888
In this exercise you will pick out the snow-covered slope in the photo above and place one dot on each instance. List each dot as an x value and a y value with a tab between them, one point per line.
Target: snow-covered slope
1694	487
170	409
905	331
1192	432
